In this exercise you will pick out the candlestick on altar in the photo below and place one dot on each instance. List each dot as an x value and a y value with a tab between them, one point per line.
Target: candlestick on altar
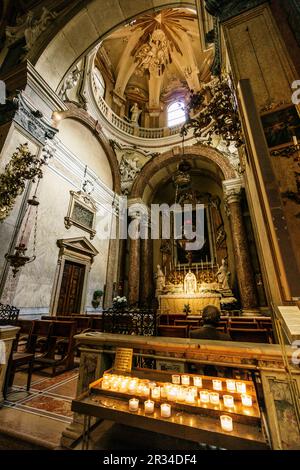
165	270
201	265
197	269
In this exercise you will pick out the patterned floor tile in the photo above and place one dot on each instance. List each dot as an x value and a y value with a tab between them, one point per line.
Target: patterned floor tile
48	404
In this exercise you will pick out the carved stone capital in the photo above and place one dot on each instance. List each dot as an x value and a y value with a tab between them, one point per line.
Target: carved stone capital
232	191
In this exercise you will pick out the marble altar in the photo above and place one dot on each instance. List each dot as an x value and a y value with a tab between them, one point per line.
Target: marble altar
174	303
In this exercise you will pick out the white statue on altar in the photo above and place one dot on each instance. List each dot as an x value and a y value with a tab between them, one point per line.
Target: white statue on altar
190	283
223	276
160	280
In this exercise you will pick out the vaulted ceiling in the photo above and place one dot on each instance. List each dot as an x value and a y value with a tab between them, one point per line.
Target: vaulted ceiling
155	56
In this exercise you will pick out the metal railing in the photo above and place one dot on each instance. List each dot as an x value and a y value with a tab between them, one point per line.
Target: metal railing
129	322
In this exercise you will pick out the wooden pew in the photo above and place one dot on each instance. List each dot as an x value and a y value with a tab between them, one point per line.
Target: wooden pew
61	343
173	331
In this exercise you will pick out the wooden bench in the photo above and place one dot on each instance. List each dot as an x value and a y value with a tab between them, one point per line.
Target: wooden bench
251	336
172	331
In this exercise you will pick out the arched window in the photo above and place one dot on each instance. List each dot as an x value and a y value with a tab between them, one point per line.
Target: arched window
100	83
176	113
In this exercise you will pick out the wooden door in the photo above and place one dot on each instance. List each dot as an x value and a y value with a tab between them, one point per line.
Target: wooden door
70	295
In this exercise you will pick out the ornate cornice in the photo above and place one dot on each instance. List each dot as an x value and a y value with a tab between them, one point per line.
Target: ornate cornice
32	121
224	9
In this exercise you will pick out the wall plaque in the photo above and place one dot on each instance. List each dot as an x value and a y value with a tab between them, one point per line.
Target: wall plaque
82	212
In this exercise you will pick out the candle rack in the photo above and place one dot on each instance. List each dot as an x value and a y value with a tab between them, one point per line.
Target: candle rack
239	412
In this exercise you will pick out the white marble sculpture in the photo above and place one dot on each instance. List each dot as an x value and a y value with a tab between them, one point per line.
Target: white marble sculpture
69	83
160	281
135	114
190	283
223	276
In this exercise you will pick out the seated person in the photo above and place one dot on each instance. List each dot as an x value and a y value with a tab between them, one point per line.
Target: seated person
211	316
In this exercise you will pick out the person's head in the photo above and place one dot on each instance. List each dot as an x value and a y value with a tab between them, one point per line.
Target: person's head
211	315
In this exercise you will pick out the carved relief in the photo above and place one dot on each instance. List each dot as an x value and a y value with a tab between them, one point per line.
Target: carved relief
30	26
32	121
129	168
70	82
155	55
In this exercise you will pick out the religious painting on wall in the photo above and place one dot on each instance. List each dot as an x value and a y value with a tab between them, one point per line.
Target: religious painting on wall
198	256
81	212
282	127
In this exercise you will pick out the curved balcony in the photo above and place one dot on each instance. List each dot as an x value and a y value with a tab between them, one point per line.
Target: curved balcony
124	126
116	126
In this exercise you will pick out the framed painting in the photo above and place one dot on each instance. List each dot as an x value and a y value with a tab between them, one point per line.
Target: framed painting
282	127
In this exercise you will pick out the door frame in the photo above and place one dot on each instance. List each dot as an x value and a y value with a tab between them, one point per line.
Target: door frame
77	250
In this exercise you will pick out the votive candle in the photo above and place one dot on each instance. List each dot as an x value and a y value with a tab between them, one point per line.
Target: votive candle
241	387
228	401
190	397
176	379
226	423
214	398
133	404
146	391
247	400
181	394
230	384
132	386
172	393
185	380
149	406
155	392
217	385
105	384
204	396
165	410
124	386
198	381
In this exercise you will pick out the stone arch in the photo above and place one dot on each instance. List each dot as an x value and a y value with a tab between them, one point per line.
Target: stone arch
173	156
83	117
79	28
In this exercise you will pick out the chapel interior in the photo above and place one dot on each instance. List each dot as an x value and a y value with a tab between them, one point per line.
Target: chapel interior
125	128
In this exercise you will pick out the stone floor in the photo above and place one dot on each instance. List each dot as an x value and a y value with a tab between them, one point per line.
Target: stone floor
40	415
35	419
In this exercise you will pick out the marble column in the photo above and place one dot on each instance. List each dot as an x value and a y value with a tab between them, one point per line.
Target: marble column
146	278
112	272
232	190
134	263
